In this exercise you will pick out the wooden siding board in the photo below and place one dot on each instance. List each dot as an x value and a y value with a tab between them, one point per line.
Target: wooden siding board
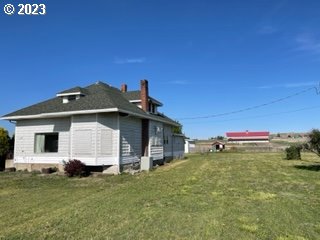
107	139
156	140
168	144
130	131
25	136
84	136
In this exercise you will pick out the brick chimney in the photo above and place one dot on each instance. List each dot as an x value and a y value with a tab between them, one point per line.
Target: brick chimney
144	95
124	88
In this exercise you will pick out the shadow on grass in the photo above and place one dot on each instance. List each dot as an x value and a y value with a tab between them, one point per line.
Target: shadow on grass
314	167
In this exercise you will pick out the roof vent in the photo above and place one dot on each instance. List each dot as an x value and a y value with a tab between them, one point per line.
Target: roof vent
71	94
70	98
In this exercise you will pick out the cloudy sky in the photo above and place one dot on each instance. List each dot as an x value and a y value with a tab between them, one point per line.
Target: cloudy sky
216	66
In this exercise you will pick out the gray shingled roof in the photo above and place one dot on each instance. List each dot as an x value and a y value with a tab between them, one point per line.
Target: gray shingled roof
136	95
132	95
97	96
74	90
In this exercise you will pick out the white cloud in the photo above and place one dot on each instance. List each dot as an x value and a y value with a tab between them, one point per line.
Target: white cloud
289	85
129	60
300	84
308	42
178	82
267	30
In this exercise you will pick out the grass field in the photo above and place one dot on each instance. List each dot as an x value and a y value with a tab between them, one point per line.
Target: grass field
217	196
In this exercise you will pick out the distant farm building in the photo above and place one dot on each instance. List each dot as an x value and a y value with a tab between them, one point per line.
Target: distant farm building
189	146
247	137
218	146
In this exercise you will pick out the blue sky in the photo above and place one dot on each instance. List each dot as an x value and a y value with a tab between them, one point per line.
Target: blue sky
202	58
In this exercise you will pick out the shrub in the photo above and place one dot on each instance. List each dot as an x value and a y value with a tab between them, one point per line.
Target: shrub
293	152
75	168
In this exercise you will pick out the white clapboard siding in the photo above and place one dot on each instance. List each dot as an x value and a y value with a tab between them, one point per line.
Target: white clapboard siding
25	140
107	139
167	141
106	142
130	130
83	142
178	146
156	140
83	138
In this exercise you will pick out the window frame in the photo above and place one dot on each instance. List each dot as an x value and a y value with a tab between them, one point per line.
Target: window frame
39	146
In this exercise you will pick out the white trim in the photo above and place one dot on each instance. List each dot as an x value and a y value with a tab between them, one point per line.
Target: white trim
248	138
135	101
68	94
71	138
70	113
118	144
96	140
60	114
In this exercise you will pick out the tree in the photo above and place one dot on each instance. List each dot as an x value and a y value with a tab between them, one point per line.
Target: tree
11	149
4	146
177	129
220	138
313	143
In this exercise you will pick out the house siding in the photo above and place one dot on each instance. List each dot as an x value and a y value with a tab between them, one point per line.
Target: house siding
168	142
107	139
25	140
94	138
156	140
178	146
130	139
84	138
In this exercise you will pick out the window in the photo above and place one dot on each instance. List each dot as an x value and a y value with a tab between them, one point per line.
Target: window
46	142
72	98
152	108
166	139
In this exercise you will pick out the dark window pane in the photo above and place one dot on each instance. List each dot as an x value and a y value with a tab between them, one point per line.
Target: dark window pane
51	143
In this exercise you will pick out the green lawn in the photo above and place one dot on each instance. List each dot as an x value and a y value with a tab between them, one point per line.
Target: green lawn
216	196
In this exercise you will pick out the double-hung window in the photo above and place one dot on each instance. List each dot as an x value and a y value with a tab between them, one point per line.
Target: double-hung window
46	142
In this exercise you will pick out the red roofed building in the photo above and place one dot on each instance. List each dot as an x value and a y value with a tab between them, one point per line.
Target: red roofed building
247	137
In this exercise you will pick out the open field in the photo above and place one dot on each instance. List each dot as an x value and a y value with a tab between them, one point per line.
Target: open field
215	196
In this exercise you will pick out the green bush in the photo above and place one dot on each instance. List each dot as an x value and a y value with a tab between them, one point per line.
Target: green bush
293	152
75	168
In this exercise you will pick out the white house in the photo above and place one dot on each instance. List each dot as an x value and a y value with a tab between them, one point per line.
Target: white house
98	124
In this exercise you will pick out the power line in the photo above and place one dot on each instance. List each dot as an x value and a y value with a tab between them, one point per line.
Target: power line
256	106
262	116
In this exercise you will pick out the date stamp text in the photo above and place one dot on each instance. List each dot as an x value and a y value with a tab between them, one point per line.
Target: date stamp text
25	9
